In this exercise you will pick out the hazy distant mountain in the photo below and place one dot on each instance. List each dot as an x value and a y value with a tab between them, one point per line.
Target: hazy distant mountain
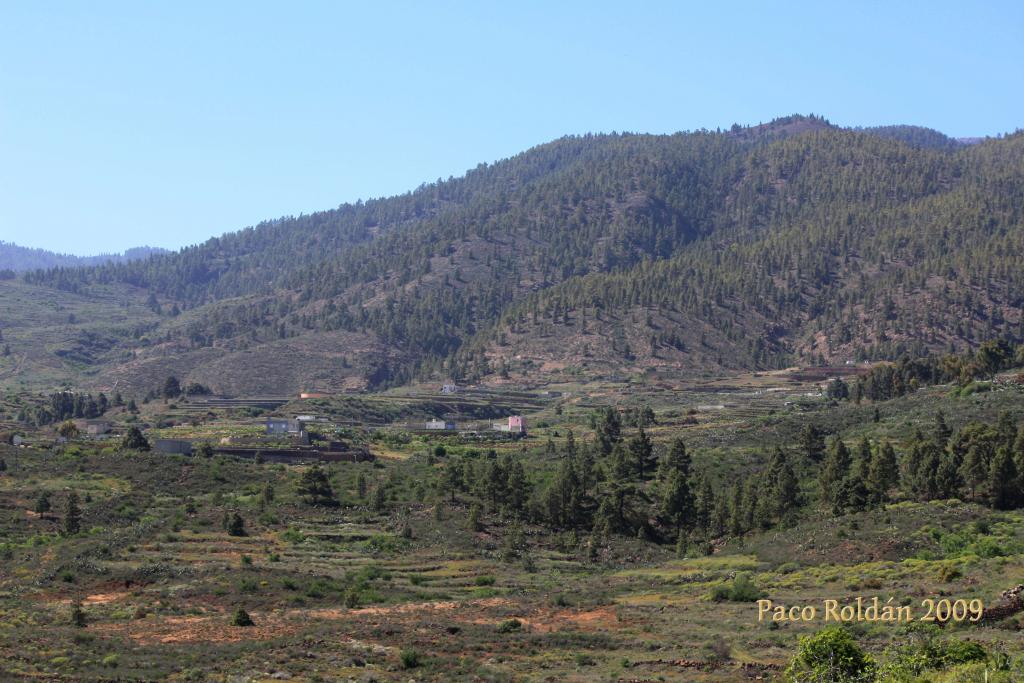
756	247
20	259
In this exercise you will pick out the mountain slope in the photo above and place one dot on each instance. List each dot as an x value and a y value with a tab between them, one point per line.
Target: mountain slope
749	248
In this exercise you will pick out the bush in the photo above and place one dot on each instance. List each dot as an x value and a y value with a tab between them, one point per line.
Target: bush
242	618
719	650
742	589
921	649
830	655
510	626
410	659
583	659
962	652
78	615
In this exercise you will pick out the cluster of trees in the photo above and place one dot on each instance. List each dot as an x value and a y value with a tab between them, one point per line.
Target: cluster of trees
67	405
884	382
850	482
981	462
618	484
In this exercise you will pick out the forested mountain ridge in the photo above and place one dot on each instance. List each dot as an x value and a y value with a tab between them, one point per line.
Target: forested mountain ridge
16	258
849	247
751	247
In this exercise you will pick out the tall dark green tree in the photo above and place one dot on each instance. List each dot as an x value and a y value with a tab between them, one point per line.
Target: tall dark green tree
883	473
1004	490
641	450
315	488
609	430
813	443
72	515
834	471
134	440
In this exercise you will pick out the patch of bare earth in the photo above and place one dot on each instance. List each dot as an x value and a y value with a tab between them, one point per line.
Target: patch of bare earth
217	628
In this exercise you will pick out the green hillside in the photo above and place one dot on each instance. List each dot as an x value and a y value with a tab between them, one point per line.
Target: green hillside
759	247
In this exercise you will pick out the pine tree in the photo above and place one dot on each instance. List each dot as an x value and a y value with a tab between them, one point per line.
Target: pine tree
813	443
570	444
947	475
72	515
380	499
975	468
609	430
518	487
236	525
704	506
43	503
677	459
854	496
1018	455
834	472
1004	481
677	504
473	521
451	481
315	488
134	440
1006	429
641	451
737	510
171	388
883	474
784	491
924	482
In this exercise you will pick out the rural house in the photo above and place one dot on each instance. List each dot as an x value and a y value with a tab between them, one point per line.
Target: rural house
283	427
97	427
516	425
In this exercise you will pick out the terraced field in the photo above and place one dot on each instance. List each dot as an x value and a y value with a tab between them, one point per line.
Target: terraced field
407	580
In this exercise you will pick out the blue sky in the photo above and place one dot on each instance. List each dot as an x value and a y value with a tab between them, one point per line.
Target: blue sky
134	123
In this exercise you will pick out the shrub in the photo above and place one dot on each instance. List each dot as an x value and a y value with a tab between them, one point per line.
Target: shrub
948	572
583	659
742	589
78	615
248	586
921	649
830	655
236	525
485	580
410	659
242	618
510	626
719	650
